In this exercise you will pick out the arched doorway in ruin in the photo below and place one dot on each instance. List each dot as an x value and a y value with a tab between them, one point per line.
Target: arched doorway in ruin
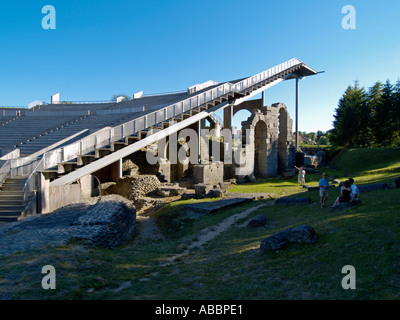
282	140
260	149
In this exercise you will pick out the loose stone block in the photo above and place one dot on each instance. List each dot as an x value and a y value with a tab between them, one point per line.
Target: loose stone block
279	241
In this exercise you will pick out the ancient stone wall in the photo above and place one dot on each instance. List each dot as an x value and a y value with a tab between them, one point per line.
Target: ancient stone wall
269	149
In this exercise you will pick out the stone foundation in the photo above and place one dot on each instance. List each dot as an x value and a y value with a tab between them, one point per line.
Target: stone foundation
211	174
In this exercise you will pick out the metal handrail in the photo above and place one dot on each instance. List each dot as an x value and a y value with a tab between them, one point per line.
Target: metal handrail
163	93
217	118
5	171
65	102
27	182
109	135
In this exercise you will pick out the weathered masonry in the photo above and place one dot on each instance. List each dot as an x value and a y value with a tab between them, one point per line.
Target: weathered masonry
54	154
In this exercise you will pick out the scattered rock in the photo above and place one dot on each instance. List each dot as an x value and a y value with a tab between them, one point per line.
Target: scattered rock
218	193
134	187
130	168
302	234
276	242
169	191
107	222
203	190
280	240
258	221
187	182
372	187
225	184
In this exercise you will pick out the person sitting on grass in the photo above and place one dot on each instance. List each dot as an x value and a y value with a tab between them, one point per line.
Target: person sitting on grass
345	194
355	192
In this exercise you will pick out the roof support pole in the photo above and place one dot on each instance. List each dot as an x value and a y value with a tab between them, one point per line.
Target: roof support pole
228	117
263	98
201	124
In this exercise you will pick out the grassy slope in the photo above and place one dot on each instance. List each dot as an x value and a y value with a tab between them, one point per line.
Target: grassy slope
230	266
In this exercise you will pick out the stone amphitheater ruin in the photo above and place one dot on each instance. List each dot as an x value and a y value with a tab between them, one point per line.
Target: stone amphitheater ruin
55	154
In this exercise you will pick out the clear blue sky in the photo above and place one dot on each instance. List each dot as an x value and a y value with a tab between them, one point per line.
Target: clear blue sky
100	48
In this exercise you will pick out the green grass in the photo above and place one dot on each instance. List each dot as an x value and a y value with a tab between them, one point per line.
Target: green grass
385	160
230	266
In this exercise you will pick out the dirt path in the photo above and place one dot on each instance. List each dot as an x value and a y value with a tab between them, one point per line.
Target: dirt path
145	222
210	233
146	226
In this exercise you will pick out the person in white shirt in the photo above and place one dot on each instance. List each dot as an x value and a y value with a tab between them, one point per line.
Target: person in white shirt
355	192
302	175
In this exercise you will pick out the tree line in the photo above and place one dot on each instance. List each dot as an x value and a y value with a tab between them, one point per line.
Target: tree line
315	138
368	117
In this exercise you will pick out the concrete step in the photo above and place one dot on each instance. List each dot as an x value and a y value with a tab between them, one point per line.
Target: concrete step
13	203
8	209
12	188
11	199
9	195
4	219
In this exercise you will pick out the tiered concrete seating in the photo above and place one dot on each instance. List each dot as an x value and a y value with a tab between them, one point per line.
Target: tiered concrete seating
5	120
91	122
76	107
151	101
28	128
111	145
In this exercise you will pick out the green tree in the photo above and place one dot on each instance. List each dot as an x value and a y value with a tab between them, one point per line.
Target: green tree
319	134
396	112
351	117
322	140
384	118
374	101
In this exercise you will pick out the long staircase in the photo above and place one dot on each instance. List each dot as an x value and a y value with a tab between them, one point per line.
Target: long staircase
130	137
12	202
67	164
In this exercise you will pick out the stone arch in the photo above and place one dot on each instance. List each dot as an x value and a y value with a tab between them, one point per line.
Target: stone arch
282	139
272	150
250	105
243	114
261	149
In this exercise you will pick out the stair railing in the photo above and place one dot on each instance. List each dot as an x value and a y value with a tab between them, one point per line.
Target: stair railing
31	184
109	135
217	119
5	171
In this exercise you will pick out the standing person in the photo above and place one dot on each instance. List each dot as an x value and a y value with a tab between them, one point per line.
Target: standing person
323	189
345	194
355	192
302	175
